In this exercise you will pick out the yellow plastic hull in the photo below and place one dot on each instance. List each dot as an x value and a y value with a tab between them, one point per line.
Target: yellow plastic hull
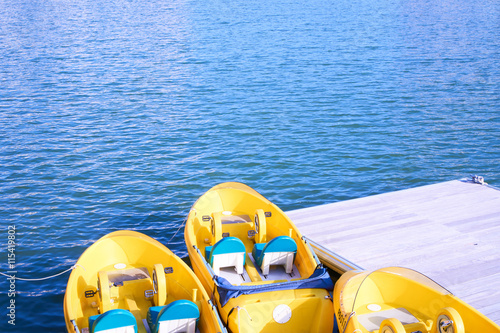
133	252
311	309
363	299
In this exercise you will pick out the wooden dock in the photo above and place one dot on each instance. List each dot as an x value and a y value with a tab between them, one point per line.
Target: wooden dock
448	231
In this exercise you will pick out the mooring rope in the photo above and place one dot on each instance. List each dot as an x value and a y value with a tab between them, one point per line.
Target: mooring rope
13	276
183	223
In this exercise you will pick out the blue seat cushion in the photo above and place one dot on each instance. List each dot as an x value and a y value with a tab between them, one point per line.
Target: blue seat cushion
257	250
112	319
153	313
207	253
278	244
92	319
224	246
179	309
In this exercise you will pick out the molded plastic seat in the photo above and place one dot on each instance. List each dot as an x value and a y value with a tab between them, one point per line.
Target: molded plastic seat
178	316
113	321
228	252
279	251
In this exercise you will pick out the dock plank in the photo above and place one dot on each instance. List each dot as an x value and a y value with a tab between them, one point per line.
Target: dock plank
449	231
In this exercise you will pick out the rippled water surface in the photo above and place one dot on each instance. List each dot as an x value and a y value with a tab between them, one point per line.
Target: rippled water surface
120	114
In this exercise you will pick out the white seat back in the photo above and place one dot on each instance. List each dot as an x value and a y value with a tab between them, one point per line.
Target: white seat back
236	259
124	329
178	326
277	258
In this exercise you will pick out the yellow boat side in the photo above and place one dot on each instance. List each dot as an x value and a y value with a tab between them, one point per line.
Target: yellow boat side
236	210
400	300
133	259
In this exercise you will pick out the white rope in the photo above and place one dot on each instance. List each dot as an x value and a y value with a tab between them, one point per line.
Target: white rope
183	223
13	276
238	308
347	323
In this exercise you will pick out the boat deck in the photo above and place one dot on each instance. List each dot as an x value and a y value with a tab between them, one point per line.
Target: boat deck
448	231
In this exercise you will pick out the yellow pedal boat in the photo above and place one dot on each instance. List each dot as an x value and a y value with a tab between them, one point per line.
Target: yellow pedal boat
129	282
400	300
251	258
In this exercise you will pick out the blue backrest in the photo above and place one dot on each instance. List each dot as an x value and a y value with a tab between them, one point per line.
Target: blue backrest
226	245
116	318
278	244
281	244
179	309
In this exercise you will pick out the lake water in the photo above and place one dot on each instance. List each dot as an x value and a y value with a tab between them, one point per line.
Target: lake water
120	114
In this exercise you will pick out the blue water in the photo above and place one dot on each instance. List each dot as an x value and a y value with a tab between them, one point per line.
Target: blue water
120	114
